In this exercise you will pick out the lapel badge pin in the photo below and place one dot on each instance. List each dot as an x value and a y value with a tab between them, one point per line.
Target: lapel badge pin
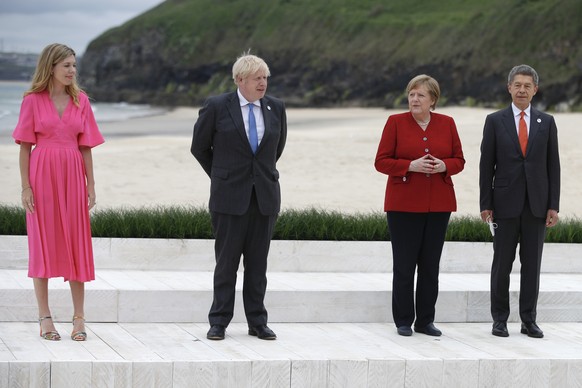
268	107
539	120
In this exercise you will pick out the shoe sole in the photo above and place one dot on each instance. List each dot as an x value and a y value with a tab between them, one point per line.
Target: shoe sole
426	333
253	334
405	333
523	331
501	334
214	338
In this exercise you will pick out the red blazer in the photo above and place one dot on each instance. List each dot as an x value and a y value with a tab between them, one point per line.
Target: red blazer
403	141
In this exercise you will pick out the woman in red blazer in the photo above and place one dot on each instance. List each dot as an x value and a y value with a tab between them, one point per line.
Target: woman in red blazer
419	151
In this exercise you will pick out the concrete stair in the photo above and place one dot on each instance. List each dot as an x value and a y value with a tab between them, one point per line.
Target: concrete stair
329	303
309	281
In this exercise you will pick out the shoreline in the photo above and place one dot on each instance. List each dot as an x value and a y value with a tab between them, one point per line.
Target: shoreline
327	163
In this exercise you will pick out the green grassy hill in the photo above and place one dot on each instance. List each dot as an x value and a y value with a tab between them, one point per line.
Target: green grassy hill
341	52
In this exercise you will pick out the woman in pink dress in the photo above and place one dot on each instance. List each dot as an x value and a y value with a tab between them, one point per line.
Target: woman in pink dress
58	187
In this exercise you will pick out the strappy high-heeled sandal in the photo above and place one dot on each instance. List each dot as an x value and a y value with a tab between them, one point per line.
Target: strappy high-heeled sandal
52	335
78	335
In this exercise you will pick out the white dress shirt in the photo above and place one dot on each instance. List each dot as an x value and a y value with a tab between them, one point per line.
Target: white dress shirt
517	116
258	115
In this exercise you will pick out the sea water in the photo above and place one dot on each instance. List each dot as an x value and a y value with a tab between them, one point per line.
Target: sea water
11	93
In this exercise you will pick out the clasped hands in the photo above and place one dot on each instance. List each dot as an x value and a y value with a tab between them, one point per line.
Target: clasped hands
428	164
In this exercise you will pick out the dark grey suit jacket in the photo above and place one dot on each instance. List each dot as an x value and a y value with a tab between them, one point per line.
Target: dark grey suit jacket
505	175
222	148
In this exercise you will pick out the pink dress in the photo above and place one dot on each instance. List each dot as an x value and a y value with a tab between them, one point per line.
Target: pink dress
59	230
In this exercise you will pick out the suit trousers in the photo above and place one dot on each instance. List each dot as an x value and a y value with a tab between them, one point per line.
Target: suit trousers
417	243
530	232
248	235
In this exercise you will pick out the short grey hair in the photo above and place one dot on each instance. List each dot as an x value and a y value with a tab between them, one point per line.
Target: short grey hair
248	64
523	70
431	85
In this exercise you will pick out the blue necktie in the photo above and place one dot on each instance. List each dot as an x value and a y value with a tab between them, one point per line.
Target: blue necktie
253	137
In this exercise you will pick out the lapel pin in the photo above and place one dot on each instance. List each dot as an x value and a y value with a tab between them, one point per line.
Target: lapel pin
539	120
269	108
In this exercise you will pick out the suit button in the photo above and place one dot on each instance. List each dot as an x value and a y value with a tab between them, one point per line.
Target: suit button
425	138
403	179
426	150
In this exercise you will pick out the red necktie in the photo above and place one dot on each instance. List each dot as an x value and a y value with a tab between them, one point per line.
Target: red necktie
522	133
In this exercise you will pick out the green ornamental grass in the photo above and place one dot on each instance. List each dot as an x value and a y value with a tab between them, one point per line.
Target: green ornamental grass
188	222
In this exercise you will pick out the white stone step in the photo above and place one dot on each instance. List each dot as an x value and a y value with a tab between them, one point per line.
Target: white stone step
288	256
350	355
159	280
185	296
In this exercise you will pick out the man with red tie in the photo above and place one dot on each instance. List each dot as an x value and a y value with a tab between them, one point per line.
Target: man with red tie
519	179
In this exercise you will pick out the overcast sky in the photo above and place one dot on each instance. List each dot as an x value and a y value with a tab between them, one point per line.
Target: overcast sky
27	26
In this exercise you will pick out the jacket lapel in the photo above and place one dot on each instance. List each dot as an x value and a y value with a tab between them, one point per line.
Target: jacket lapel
535	124
266	110
509	124
233	107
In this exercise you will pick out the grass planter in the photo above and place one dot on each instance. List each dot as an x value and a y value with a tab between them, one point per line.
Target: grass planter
183	222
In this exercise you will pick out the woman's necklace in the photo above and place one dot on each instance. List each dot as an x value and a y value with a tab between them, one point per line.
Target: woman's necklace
423	123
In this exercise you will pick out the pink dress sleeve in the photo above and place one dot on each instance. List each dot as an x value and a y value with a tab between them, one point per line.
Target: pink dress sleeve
24	131
90	136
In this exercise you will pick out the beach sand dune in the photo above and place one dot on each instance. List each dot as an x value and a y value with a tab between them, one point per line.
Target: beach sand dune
328	162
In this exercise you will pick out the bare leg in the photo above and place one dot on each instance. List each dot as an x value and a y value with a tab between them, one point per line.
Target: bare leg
41	292
78	294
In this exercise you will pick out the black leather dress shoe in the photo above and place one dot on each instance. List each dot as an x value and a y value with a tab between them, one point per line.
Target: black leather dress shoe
216	332
263	332
404	330
532	330
500	329
429	329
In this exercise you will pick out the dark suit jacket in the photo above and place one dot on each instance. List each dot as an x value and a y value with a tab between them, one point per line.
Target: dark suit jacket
222	148
505	175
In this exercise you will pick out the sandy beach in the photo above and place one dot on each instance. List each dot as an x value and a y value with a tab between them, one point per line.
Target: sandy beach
327	163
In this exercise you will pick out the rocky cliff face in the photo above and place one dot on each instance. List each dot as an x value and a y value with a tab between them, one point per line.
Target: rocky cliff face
151	63
126	70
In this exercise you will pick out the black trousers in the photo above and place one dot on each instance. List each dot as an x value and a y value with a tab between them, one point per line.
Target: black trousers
417	243
249	236
530	232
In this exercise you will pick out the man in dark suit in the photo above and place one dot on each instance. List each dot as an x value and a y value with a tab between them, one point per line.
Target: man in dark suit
237	139
519	179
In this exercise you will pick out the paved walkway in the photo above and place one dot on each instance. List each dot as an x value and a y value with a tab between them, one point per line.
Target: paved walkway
304	355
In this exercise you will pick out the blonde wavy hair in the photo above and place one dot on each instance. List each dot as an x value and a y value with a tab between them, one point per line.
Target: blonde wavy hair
43	74
248	64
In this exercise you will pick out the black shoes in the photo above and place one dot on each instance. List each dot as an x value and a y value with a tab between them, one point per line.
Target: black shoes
404	330
262	332
532	330
216	332
429	329
500	329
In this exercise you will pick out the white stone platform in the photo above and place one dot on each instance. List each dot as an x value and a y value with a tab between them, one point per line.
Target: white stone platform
329	303
305	355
